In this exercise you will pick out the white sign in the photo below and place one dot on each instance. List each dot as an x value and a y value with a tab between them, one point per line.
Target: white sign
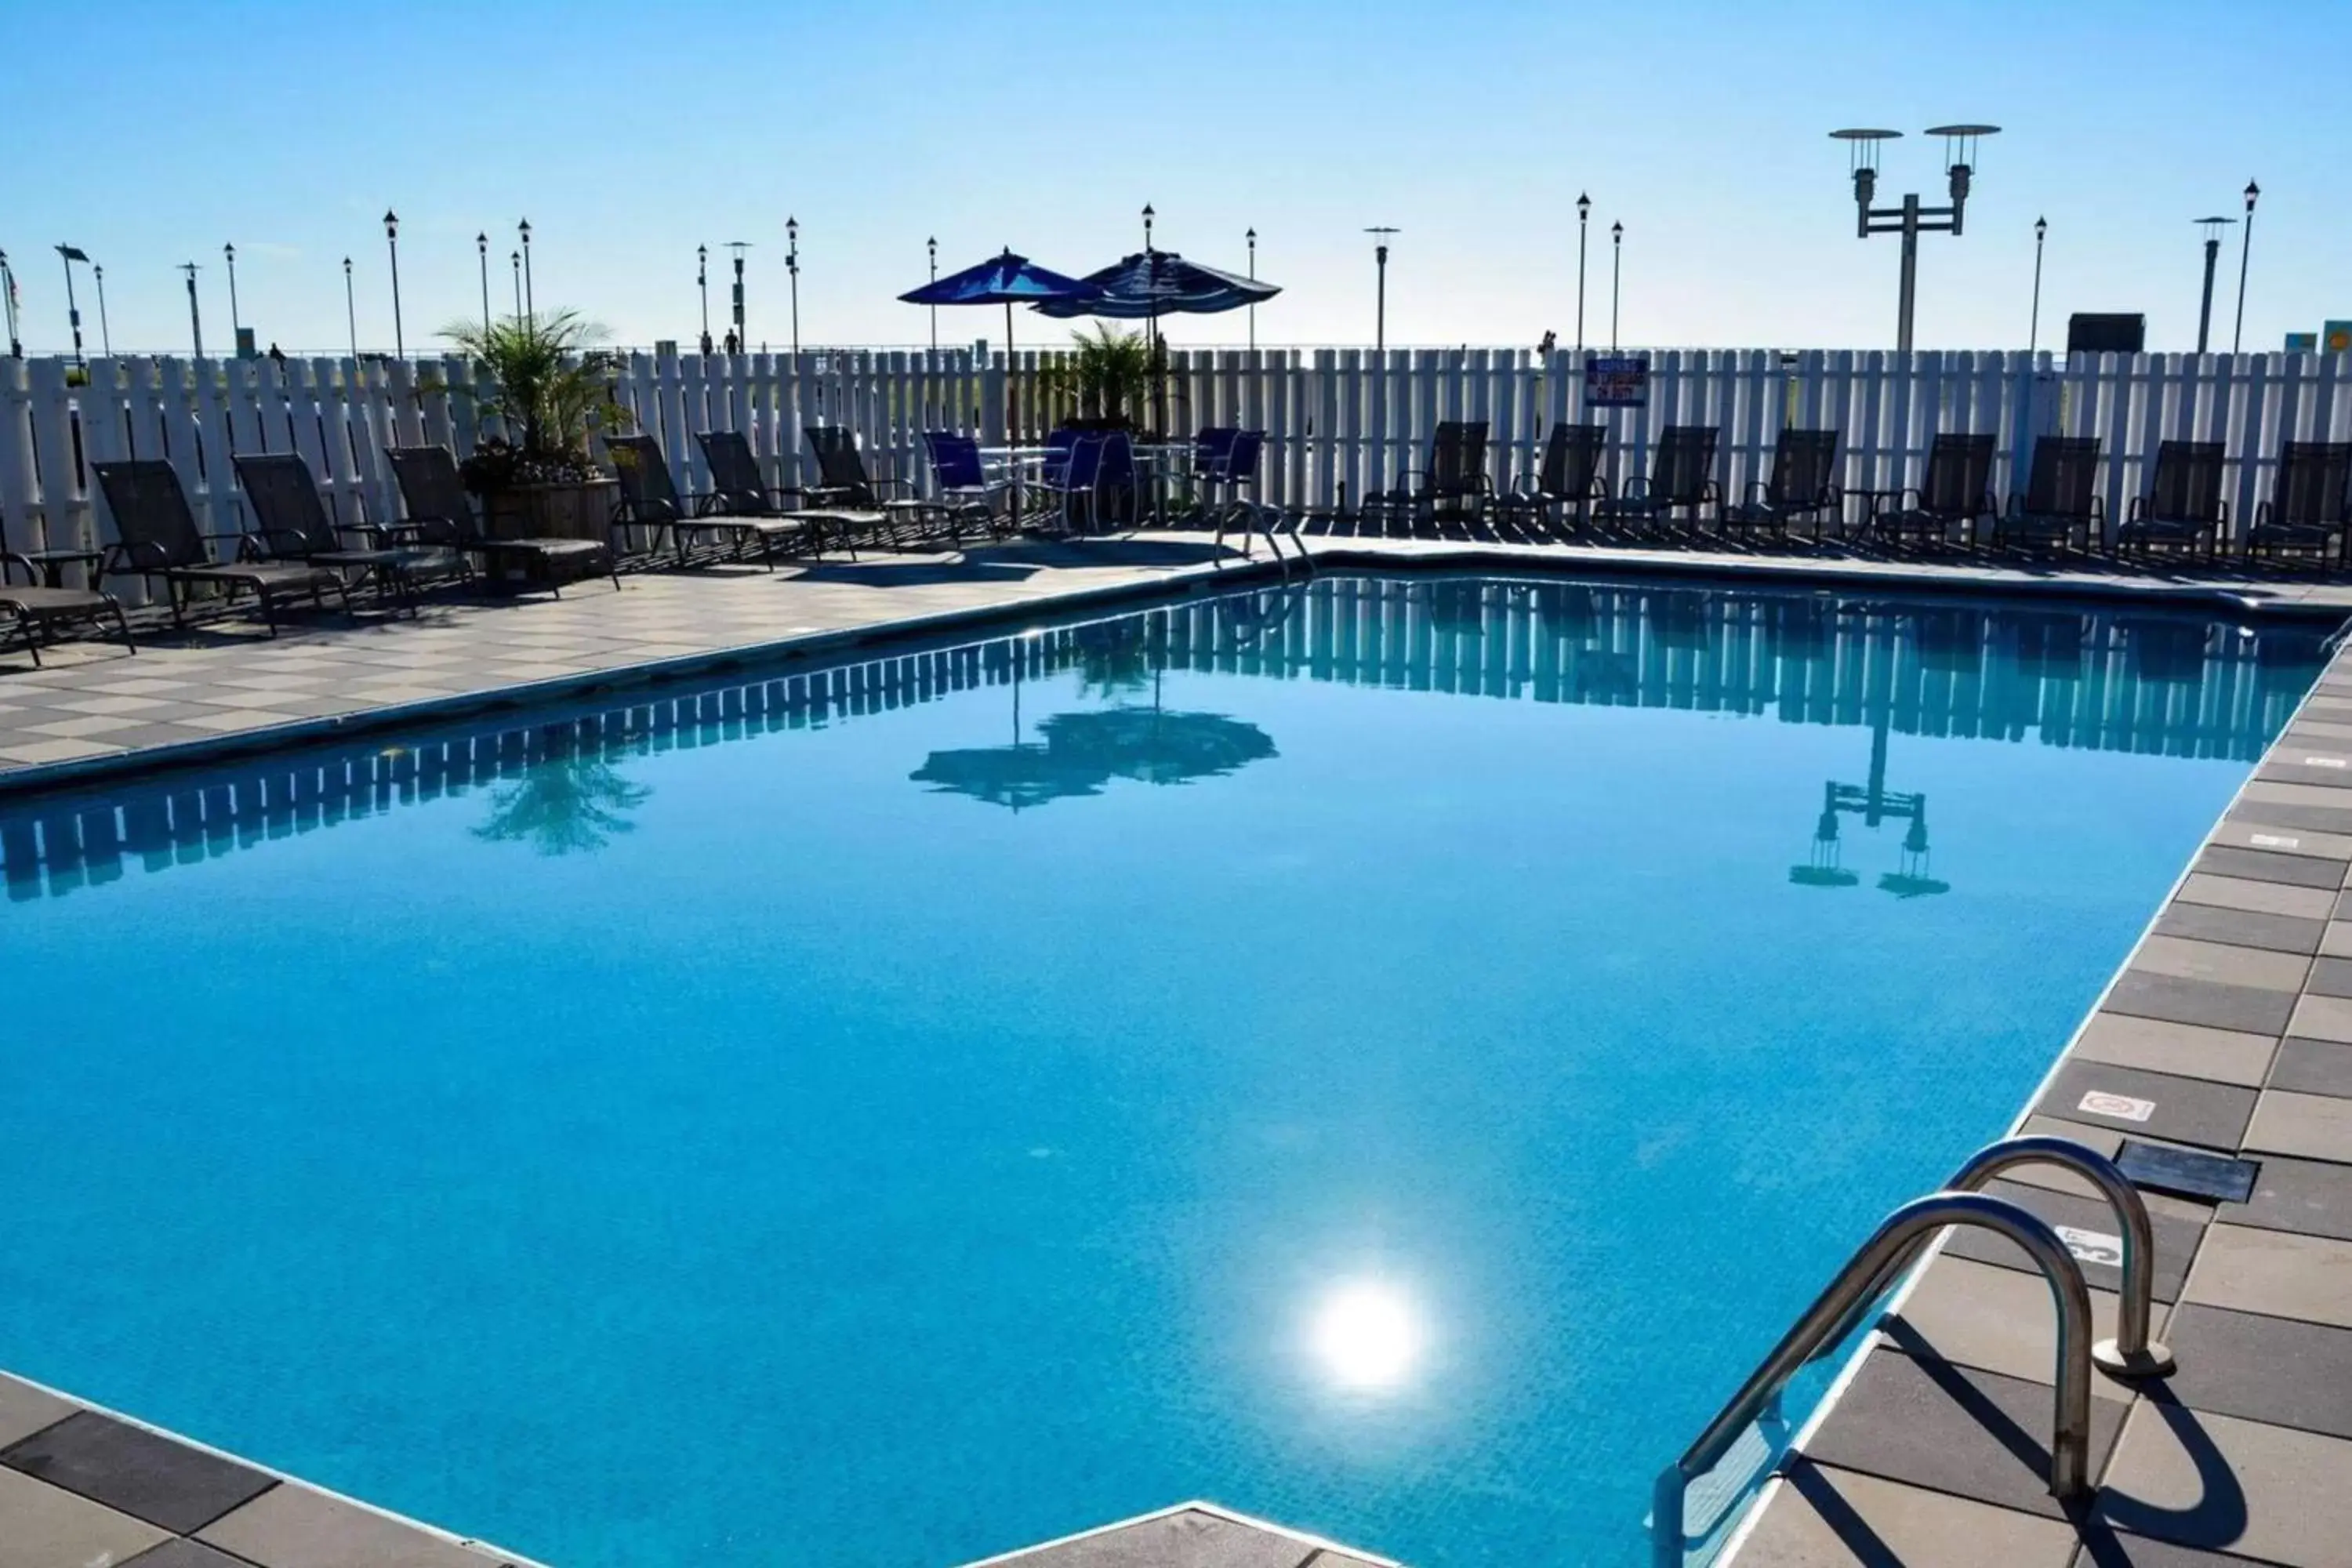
2326	763
2092	1245
2098	1102
2273	841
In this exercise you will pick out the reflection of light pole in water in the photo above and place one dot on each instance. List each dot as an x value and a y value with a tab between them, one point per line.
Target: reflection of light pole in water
1874	803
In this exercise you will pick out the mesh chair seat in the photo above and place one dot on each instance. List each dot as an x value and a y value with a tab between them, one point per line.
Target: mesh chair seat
39	605
157	536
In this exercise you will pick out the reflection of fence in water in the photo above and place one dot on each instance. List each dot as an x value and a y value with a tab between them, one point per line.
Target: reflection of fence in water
2092	680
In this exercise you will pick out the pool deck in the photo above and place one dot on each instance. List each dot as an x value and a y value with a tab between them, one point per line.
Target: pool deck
2229	1030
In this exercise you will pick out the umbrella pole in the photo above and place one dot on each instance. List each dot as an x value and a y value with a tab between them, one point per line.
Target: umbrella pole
1011	440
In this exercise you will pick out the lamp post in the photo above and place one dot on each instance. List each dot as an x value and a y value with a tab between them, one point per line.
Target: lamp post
932	244
482	256
1583	225
105	331
514	265
8	299
1911	220
1251	237
738	247
1616	277
236	321
2246	249
351	309
392	245
2212	227
530	299
68	255
792	272
702	286
2033	327
195	317
1381	286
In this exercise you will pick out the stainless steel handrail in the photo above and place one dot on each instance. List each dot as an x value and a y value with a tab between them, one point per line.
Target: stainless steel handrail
1860	1281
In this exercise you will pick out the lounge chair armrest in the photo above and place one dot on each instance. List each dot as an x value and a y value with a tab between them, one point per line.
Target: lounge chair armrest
10	558
372	534
273	541
2261	514
2098	509
2138	509
1759	489
1598	490
249	546
1635	488
1710	490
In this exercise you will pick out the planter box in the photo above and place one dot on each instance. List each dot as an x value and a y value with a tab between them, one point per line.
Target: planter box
582	510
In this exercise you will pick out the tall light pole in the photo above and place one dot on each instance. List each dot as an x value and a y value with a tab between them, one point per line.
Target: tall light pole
1583	225
1381	285
1911	220
2246	249
514	264
351	309
530	299
1251	237
392	245
932	244
2212	227
482	257
68	255
1616	277
792	271
8	299
738	247
702	286
105	331
2033	327
195	317
236	321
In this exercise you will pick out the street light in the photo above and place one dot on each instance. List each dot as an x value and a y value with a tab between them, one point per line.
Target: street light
1251	237
236	321
2033	327
2245	247
514	264
702	286
792	271
1583	224
1380	286
1911	220
738	247
105	332
68	255
1616	277
933	245
195	317
351	309
392	245
8	300
2212	227
482	257
530	299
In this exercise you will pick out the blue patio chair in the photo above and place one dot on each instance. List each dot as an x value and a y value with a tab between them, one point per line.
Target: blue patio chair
965	493
1070	475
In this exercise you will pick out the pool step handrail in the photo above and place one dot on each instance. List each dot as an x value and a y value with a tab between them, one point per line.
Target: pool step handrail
1837	1309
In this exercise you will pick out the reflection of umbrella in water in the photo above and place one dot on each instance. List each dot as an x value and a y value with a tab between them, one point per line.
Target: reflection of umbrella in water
1017	775
1156	746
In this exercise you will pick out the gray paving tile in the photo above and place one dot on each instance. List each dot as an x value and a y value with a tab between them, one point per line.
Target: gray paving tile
47	1528
2092	1224
2266	865
1817	1516
2250	1009
295	1526
2221	962
2147	1104
2226	1056
2114	1549
2311	1126
1973	1434
25	1409
2286	1373
2278	814
2245	893
2245	927
2311	1196
2203	1478
2320	1018
2336	940
2278	1272
1996	1319
2254	835
2313	1067
141	1473
2332	977
181	1553
2306	766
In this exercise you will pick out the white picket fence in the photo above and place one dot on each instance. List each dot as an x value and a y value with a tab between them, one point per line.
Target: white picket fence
1338	422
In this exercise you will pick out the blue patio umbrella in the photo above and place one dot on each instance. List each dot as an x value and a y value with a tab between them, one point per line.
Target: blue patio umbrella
1008	280
1158	283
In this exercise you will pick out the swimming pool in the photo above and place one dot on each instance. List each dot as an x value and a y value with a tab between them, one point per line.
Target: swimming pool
1387	1057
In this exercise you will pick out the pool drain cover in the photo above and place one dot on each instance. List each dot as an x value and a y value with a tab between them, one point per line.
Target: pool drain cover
2186	1173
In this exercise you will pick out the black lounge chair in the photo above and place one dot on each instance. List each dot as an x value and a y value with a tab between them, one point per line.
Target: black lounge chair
156	536
2308	509
1954	493
650	498
1568	479
1682	479
2183	507
740	489
1455	482
2061	498
842	483
37	605
1803	486
441	513
291	524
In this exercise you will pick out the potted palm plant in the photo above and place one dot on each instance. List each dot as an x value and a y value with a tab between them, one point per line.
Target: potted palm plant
548	385
1100	383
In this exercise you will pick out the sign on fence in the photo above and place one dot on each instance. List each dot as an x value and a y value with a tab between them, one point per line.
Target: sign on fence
1616	380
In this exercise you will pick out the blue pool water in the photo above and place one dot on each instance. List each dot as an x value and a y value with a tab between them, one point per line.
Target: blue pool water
1389	1059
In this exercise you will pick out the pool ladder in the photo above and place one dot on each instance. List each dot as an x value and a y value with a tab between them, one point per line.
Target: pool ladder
1883	1259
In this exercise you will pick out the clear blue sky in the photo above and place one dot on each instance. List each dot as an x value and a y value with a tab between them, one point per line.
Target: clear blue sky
628	132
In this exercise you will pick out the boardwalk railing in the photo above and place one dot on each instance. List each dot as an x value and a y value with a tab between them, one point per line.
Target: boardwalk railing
2097	680
1339	423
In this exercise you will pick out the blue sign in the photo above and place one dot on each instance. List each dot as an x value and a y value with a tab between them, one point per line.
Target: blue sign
1616	380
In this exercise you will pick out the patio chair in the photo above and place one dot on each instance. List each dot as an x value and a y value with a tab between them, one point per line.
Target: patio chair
1681	478
843	482
650	498
739	488
1956	493
2183	507
441	513
156	536
1071	476
966	495
1803	487
2308	508
1231	497
38	605
1455	481
1569	477
292	524
2061	497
